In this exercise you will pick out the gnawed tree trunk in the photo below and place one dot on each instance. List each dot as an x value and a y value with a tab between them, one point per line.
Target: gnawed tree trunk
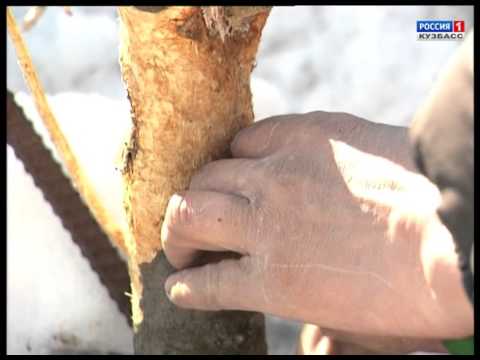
187	72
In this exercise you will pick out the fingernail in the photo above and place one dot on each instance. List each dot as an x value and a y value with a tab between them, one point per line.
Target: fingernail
177	290
169	283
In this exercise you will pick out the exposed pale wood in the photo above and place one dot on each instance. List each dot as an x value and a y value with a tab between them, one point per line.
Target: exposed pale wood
189	87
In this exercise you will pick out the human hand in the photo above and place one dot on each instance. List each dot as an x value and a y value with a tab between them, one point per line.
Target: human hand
332	225
316	341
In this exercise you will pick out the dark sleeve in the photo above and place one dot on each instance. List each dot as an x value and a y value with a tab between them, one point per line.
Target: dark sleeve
443	140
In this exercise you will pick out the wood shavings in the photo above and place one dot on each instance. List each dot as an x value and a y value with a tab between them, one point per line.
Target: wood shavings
225	20
216	21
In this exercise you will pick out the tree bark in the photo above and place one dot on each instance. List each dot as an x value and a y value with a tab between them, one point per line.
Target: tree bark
187	73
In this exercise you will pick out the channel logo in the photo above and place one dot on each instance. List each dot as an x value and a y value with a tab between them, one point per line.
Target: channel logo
440	29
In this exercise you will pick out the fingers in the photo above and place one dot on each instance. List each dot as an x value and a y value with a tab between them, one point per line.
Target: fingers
313	342
204	220
230	176
270	135
227	285
262	138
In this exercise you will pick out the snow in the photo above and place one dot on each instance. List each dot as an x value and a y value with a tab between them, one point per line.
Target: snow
78	114
364	60
54	299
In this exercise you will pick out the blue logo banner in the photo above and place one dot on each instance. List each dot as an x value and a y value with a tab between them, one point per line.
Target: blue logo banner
434	26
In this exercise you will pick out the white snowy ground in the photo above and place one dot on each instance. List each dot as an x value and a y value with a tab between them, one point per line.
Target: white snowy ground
363	60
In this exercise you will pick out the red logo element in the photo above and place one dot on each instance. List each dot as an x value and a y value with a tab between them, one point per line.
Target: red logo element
459	26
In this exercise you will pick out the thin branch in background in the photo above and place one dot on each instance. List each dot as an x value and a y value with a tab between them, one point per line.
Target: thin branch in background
80	181
35	13
32	16
68	10
66	203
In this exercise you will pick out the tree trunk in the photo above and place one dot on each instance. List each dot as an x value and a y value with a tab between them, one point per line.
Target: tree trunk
187	73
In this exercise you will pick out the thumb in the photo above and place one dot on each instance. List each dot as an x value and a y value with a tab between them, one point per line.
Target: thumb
231	284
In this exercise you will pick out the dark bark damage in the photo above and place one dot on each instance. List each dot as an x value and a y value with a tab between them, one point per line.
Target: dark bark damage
166	329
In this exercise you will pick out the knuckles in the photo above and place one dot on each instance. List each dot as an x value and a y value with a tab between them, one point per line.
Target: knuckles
198	179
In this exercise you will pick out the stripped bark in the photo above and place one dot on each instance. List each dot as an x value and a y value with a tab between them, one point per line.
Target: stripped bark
187	72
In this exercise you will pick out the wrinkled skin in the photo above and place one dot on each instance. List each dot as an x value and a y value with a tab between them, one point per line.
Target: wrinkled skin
332	225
